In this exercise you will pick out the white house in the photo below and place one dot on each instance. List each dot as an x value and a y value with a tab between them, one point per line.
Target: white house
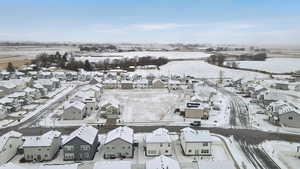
42	148
158	143
162	162
9	144
74	111
119	143
195	142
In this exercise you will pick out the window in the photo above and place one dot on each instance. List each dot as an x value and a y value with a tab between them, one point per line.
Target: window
39	149
161	144
129	147
46	155
123	147
169	145
291	118
10	146
69	148
205	144
112	147
69	156
167	151
190	150
85	147
204	151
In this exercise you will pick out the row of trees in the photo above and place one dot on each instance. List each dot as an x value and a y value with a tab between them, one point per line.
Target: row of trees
61	61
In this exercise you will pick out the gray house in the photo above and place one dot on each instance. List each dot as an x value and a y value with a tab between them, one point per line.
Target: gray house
119	143
81	144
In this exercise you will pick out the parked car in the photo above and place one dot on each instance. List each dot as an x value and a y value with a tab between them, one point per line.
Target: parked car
196	123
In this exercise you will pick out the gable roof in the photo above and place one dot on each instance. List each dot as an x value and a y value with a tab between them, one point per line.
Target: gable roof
190	135
159	135
77	104
86	133
125	133
4	138
44	140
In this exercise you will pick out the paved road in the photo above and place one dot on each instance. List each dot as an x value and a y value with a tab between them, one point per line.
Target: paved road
247	139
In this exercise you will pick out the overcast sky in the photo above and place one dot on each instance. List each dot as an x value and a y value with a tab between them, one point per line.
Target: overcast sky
155	21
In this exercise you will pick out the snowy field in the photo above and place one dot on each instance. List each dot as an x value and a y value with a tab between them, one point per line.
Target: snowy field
277	65
140	105
170	55
201	69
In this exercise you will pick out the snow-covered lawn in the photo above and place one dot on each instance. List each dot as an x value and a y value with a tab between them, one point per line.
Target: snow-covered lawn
201	69
144	105
283	153
277	65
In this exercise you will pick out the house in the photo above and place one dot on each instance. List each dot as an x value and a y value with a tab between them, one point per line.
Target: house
72	76
45	75
174	84
7	88
162	162
11	104
195	142
297	88
56	82
126	84
96	80
59	75
9	145
113	165
157	83
197	110
110	84
32	92
42	148
75	111
11	166
46	83
119	143
256	90
111	110
267	97
96	90
21	97
5	75
141	84
281	86
158	143
81	144
284	113
3	112
43	91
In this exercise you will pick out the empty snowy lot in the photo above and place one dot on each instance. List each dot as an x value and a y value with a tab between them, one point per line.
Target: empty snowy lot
144	105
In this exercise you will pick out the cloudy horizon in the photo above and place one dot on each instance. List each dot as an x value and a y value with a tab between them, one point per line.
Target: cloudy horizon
227	21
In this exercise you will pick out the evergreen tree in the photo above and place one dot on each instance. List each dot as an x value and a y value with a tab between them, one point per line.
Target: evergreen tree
10	67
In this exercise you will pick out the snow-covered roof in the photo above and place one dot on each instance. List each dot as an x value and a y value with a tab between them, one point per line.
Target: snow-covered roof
5	100
11	165
4	138
44	140
160	135
8	85
38	86
77	104
191	135
59	166
17	94
125	133
85	133
113	165
28	89
162	162
90	87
